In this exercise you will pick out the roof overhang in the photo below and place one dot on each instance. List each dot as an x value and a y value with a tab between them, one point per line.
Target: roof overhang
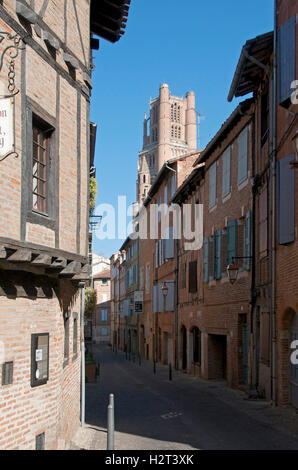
232	120
108	18
254	59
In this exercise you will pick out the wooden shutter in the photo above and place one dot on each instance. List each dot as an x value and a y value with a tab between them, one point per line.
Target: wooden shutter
206	260
217	254
286	58
242	155
286	200
247	240
192	277
169	244
231	240
226	172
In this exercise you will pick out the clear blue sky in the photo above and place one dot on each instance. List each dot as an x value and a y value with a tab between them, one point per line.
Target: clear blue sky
191	45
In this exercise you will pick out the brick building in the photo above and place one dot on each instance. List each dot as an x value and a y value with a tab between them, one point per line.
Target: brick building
213	316
44	180
268	68
102	319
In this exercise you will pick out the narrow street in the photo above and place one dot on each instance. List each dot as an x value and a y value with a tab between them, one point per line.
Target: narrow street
152	412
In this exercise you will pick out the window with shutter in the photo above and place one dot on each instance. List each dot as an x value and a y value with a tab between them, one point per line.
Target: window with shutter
173	185
242	155
226	172
169	301
206	260
217	254
231	240
286	200
169	243
192	277
286	59
212	185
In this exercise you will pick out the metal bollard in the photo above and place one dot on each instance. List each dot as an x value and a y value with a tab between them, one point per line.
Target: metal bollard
170	371
110	423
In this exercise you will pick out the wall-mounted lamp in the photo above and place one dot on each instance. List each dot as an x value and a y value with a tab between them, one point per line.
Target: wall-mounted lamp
233	268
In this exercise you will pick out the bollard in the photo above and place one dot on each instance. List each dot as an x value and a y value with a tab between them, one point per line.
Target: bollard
154	367
170	371
110	423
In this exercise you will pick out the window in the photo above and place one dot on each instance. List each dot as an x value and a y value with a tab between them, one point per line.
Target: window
165	194
212	185
7	373
179	132
286	60
66	337
226	172
172	131
192	277
104	282
104	315
39	359
141	278
242	155
232	231
178	114
75	334
104	331
286	200
173	185
39	169
206	260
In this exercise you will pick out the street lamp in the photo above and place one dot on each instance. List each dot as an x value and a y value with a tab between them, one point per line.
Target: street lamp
233	268
164	291
232	271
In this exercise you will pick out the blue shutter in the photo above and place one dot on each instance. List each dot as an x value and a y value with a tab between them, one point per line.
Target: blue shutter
242	155
247	240
226	172
286	200
212	185
287	58
154	299
218	238
231	240
206	260
169	244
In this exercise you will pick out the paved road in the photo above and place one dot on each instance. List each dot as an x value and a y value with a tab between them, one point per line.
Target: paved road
153	413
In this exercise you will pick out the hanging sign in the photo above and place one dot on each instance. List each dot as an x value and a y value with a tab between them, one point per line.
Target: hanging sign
6	127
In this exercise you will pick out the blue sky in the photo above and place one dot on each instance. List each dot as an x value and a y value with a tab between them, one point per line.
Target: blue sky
191	45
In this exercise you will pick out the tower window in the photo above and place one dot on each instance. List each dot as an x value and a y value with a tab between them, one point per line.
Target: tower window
178	114
179	133
144	179
172	131
175	132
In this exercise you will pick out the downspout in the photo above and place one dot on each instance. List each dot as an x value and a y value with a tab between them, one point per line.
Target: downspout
273	212
176	300
82	356
253	365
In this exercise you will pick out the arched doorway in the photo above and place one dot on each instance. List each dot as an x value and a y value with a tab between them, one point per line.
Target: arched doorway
184	347
294	367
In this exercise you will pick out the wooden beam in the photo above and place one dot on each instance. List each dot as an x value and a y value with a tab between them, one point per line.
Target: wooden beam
71	269
21	256
42	260
84	275
58	264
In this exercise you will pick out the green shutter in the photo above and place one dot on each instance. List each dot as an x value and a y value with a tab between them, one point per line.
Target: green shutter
218	249
206	260
231	240
247	250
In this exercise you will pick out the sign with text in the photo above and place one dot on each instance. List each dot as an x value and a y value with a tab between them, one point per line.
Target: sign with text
6	126
138	301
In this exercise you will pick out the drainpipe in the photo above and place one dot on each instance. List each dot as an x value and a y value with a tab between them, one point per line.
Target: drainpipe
82	356
253	364
176	301
273	212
